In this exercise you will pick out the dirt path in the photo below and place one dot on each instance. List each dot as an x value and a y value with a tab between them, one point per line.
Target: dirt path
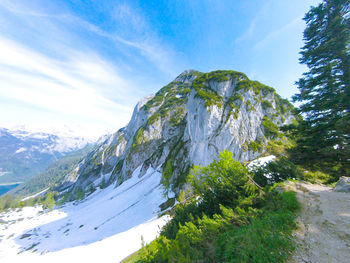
324	224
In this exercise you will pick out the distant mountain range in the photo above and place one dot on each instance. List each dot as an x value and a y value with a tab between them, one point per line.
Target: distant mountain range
24	154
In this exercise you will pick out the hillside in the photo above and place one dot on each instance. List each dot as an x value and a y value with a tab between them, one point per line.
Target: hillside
53	175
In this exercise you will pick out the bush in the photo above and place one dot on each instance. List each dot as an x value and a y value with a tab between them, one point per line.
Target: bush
317	177
266	239
277	171
229	219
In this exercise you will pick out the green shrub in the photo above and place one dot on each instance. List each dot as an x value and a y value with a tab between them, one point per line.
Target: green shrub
256	146
79	193
177	116
167	174
138	137
317	177
153	118
271	129
266	104
49	201
228	220
231	236
277	171
267	238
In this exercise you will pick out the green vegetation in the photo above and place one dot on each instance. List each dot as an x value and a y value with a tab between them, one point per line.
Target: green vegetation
229	218
266	105
256	86
138	138
208	95
317	177
176	168
118	167
166	97
271	130
279	147
79	193
277	171
167	174
103	183
256	146
110	150
48	201
249	106
153	118
211	97
323	138
177	116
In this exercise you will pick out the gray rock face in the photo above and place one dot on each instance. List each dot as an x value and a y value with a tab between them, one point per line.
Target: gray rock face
189	122
343	185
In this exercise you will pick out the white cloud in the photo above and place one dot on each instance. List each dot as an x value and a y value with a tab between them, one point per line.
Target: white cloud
65	87
58	71
145	41
142	37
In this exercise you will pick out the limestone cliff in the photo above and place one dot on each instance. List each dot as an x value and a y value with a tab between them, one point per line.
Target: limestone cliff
186	123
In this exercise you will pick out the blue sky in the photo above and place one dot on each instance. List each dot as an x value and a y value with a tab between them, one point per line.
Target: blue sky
84	64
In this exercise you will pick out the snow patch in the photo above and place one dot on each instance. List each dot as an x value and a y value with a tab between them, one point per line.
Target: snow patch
35	195
22	149
262	161
105	227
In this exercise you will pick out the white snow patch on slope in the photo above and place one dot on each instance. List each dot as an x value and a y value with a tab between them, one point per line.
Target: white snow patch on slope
22	149
35	195
262	161
106	227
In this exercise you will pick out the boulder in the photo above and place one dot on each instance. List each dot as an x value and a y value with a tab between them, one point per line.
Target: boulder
343	185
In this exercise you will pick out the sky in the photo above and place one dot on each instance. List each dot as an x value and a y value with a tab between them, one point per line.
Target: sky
81	66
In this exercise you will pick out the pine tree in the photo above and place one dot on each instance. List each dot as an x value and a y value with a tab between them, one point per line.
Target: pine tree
324	135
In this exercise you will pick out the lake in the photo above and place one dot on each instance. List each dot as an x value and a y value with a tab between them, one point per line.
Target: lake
5	188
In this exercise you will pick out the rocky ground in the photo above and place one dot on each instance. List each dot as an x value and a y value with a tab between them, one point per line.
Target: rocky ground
323	234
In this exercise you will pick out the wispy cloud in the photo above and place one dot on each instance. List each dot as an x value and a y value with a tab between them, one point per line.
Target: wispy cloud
67	77
143	39
253	24
249	32
272	35
66	87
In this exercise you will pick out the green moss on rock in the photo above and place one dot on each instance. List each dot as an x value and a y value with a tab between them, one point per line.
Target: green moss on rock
153	118
256	146
138	137
177	116
265	104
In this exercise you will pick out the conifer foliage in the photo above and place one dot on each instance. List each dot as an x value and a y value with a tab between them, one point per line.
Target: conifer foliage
324	135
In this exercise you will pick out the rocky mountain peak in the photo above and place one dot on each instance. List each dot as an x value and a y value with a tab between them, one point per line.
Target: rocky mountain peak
188	122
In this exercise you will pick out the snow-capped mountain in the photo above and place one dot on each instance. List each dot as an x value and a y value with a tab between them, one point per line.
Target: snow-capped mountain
24	154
